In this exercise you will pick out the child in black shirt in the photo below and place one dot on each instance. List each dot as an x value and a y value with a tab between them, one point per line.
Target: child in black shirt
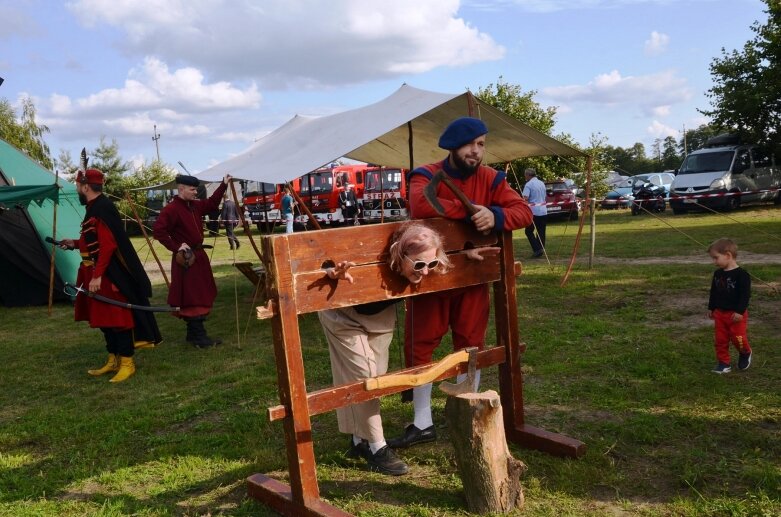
728	305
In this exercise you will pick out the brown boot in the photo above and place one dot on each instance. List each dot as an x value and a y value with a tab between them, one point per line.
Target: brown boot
112	365
126	368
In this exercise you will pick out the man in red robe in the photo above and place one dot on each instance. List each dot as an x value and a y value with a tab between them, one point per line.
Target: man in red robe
111	268
179	227
465	310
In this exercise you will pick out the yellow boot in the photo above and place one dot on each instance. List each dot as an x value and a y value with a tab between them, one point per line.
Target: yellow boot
112	365
126	369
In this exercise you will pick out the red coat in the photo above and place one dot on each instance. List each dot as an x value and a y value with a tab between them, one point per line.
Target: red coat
97	313
182	222
464	311
486	187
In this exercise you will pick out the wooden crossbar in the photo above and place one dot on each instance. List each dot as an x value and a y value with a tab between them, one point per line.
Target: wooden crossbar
297	285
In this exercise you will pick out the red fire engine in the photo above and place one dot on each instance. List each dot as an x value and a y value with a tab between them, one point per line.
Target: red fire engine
320	190
385	194
261	203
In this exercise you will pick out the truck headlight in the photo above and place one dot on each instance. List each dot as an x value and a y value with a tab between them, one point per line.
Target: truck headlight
718	184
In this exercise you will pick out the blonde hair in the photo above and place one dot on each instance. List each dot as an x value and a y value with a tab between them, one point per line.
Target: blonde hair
414	237
723	246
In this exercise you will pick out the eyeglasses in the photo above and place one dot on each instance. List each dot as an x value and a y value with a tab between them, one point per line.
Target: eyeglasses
418	265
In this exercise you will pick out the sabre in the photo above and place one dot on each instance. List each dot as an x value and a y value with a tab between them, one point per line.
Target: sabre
56	243
101	298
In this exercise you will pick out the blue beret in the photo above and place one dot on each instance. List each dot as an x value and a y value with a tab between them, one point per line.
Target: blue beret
462	131
190	181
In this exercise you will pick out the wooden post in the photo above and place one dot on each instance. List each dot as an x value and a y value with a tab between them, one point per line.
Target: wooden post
489	473
54	246
146	238
593	229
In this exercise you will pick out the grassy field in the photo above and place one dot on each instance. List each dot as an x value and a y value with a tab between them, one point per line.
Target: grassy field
619	358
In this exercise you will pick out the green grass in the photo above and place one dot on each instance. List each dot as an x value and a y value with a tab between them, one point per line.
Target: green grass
618	358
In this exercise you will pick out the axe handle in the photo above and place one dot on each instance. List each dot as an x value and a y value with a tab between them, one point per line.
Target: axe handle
417	379
470	208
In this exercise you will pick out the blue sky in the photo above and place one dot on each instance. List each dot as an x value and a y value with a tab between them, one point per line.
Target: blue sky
214	75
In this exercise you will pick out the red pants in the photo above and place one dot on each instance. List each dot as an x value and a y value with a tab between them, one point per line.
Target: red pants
464	310
728	330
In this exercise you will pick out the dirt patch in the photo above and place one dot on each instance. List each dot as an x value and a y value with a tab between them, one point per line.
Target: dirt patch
745	257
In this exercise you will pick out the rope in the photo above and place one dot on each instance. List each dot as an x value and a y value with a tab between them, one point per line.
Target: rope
771	286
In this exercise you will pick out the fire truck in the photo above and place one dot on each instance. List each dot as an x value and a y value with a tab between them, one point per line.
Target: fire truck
319	190
385	194
261	203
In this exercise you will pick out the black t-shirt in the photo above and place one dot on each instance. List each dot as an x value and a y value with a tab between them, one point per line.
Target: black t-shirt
730	290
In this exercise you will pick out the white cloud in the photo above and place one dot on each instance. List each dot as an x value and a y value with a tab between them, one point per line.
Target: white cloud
548	6
656	44
659	130
661	111
651	93
152	86
296	42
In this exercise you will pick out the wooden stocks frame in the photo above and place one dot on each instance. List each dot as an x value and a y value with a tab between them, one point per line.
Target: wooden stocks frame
297	285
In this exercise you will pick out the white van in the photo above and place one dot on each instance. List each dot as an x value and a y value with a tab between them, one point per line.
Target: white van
726	174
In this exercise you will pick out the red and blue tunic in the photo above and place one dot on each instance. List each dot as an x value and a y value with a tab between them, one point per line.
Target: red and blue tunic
464	310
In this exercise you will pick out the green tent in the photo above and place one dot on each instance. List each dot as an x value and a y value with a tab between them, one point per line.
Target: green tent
27	199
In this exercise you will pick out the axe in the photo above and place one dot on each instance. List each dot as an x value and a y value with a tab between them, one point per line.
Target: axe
426	376
468	384
430	193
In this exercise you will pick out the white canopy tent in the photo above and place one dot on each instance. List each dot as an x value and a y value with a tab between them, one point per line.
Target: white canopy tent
384	133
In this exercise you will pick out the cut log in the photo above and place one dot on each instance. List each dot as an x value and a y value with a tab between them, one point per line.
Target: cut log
489	473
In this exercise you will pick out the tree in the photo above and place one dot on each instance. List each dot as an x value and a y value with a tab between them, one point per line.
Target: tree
510	99
106	158
25	134
66	167
746	95
156	173
696	138
671	159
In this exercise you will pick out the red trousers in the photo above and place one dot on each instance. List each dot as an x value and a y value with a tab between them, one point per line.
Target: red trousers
730	331
464	310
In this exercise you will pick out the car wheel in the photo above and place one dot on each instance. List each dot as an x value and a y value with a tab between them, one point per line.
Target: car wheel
635	209
663	204
733	203
573	215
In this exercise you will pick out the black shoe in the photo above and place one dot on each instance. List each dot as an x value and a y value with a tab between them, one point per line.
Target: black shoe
385	461
361	450
537	254
744	361
413	435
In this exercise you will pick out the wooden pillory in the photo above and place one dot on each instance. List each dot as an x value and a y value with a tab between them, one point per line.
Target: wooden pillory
296	284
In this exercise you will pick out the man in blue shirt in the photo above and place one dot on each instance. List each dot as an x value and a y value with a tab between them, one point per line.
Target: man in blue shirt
287	210
534	193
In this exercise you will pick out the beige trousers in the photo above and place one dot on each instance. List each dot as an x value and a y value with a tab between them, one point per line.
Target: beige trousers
358	346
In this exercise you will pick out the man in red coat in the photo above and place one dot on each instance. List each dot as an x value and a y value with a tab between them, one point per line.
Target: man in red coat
179	227
111	268
465	310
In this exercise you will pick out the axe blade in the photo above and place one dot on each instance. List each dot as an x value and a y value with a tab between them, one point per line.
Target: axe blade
468	384
430	193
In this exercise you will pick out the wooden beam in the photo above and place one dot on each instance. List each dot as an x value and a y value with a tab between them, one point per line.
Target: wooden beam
328	399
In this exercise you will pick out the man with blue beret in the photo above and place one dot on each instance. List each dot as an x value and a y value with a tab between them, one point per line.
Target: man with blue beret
465	310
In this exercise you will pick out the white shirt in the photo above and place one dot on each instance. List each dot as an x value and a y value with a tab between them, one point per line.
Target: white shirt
534	192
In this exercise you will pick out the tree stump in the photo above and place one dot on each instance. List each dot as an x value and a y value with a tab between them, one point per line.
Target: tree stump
489	473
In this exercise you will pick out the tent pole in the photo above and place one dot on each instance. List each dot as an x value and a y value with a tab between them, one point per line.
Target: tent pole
146	237
470	103
54	238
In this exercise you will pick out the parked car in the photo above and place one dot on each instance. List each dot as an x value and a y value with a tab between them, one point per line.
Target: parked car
724	175
622	196
562	201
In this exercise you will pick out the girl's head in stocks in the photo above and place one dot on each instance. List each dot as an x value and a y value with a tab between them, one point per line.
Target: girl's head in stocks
417	251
